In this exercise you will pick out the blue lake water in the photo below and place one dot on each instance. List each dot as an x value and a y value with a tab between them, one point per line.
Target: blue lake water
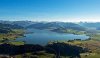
42	37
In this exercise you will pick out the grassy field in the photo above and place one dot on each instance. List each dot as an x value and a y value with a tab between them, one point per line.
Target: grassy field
17	43
6	38
91	56
12	35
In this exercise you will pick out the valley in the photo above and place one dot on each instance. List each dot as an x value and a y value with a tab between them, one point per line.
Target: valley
49	36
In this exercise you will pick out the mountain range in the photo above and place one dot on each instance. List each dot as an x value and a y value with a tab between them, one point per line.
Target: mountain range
53	26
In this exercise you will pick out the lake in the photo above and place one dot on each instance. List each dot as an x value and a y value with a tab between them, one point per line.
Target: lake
42	37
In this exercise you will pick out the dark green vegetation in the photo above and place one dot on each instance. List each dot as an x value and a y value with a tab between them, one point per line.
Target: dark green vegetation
56	49
10	30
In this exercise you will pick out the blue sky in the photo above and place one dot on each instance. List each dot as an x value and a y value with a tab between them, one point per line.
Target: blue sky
50	10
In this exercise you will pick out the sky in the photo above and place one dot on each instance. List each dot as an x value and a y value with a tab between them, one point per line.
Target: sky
50	10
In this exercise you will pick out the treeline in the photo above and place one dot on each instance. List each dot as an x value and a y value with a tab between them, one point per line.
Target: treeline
59	49
7	49
63	49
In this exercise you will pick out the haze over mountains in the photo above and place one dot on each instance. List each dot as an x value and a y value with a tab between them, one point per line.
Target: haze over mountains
95	25
53	26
